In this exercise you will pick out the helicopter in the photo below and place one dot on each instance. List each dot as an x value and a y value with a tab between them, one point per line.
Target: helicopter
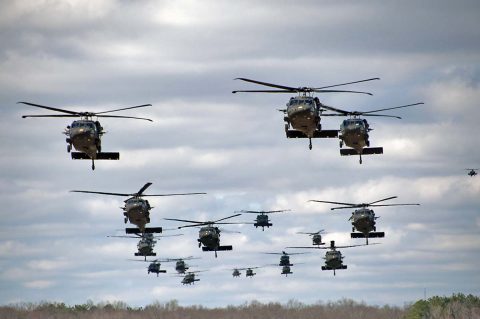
364	219
180	265
248	272
286	270
285	258
209	235
354	130
316	237
153	267
472	171
333	257
189	277
137	209
303	112
262	219
85	134
146	244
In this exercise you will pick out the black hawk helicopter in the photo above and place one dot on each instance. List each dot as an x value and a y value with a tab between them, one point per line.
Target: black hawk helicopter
209	235
303	112
333	257
285	258
137	209
248	271
354	130
316	237
85	134
154	266
472	171
262	218
180	265
364	219
146	243
189	277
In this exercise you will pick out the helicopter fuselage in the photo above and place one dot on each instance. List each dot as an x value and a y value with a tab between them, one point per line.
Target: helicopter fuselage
249	273
209	236
85	136
334	259
285	261
286	270
317	240
137	211
354	133
189	279
181	266
363	220
303	115
236	273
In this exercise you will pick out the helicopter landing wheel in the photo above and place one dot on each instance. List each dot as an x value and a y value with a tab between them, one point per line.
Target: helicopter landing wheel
360	159
341	143
367	143
93	165
310	143
199	245
69	148
286	127
125	220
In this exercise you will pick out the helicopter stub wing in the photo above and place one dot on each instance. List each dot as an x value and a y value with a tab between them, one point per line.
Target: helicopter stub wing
331	268
370	235
148	230
99	156
365	151
316	134
144	255
219	248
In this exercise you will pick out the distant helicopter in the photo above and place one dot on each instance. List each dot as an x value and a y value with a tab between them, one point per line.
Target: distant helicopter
262	219
303	112
248	271
146	243
285	257
154	266
316	237
363	219
333	257
472	171
189	277
180	265
85	134
209	235
354	130
137	209
286	270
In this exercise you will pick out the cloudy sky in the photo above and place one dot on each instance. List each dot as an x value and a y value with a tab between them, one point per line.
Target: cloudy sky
182	57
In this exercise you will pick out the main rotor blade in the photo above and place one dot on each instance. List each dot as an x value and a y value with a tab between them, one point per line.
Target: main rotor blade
185	221
392	108
136	237
25	116
337	203
264	91
349	246
339	91
308	247
381	200
101	193
283	87
147	185
331	108
125	117
264	211
394	205
380	115
331	86
125	108
51	108
175	194
225	218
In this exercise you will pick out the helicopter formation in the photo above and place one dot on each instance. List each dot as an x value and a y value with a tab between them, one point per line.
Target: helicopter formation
302	117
